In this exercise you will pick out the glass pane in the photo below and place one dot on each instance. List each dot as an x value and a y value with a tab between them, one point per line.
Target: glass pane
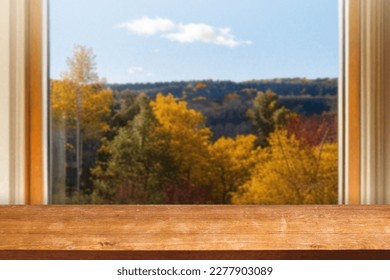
205	102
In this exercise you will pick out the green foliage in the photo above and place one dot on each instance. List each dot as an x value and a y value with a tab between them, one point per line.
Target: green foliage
137	159
266	115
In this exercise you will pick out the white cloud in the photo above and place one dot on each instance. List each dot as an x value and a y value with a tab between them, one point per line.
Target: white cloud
135	70
199	32
183	33
148	26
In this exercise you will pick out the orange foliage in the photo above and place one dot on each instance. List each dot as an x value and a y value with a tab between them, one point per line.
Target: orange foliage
200	85
313	130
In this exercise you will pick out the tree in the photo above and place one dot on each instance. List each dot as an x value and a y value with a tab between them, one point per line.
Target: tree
289	173
232	163
82	66
313	130
187	138
82	101
126	108
136	162
96	106
266	115
160	156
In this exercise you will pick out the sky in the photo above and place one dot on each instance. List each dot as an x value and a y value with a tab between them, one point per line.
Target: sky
176	40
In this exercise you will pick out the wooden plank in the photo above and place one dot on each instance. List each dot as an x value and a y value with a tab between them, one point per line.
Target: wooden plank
194	228
34	121
386	99
353	102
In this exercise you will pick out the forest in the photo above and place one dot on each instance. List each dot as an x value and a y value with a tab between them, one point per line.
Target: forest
191	142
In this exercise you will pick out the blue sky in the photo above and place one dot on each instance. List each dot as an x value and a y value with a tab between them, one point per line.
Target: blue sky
172	40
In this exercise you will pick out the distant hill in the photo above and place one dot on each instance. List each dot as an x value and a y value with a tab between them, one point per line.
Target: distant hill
225	103
216	90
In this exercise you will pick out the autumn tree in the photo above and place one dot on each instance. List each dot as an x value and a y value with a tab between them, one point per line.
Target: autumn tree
81	101
188	139
266	115
232	163
287	173
96	106
313	130
160	156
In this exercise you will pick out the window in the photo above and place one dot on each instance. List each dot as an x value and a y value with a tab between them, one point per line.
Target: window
353	165
197	106
346	222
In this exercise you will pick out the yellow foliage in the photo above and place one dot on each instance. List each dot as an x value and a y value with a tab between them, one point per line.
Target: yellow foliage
288	173
63	99
96	105
232	163
187	135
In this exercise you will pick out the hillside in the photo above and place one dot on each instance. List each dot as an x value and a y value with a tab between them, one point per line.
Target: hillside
225	103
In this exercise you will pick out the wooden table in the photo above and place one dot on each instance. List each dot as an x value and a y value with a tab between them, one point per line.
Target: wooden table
194	232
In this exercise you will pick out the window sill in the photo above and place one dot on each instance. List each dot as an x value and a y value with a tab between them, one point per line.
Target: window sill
195	232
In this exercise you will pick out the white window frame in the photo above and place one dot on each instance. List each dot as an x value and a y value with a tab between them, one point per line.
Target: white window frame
375	150
13	20
5	103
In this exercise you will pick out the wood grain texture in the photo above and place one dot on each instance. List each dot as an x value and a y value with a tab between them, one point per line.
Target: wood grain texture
353	103
34	121
193	228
